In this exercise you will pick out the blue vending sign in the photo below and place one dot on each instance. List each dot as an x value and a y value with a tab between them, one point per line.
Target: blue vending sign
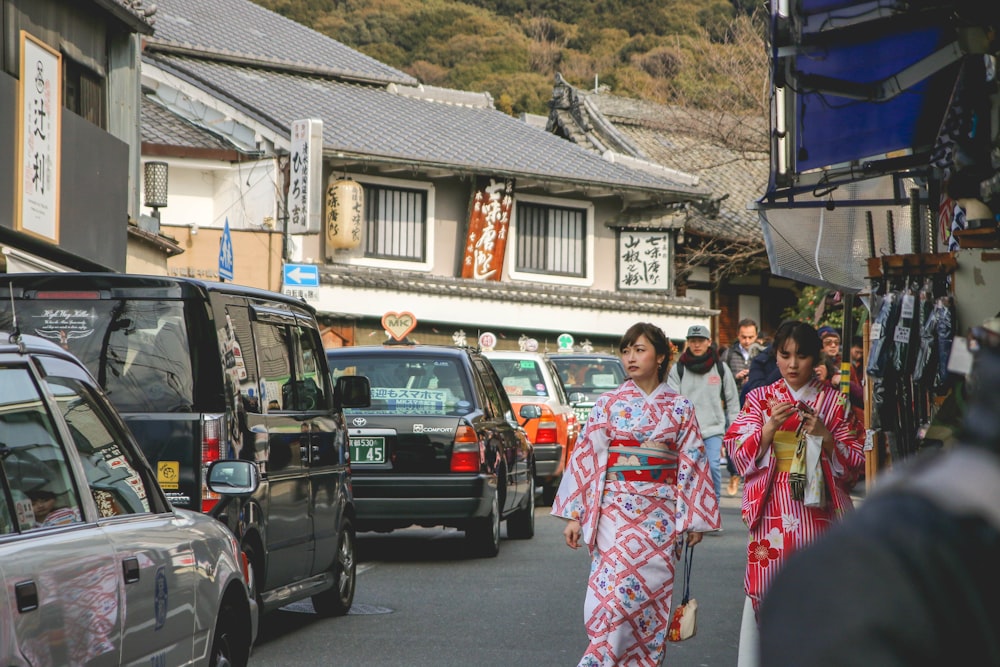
226	254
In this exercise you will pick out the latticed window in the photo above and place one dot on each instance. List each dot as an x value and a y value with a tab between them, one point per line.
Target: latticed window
395	223
551	240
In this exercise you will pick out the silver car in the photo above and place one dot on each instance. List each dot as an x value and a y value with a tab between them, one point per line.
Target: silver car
97	567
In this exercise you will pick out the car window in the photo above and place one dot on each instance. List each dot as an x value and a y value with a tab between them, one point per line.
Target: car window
239	357
414	385
590	375
500	405
136	348
520	377
34	463
113	475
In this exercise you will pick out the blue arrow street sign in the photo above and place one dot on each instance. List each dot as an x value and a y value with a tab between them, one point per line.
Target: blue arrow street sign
226	254
302	275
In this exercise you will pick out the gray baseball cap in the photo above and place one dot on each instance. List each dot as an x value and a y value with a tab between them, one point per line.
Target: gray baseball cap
699	331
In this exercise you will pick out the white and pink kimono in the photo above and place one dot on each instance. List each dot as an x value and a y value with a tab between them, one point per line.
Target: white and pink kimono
637	480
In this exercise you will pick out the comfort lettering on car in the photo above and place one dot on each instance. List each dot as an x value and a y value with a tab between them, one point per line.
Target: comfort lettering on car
420	428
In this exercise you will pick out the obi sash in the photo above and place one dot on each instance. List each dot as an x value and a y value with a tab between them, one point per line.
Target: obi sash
630	462
784	445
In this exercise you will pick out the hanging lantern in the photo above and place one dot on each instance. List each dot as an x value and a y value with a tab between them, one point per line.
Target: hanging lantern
345	203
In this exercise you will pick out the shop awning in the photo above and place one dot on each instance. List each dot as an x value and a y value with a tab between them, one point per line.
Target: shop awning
860	96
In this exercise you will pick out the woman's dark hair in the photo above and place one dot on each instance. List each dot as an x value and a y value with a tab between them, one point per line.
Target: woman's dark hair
805	337
657	339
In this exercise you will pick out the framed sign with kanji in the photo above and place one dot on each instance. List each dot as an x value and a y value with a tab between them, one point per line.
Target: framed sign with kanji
644	260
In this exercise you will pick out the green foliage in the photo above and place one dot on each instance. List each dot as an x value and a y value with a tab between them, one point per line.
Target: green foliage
667	51
821	306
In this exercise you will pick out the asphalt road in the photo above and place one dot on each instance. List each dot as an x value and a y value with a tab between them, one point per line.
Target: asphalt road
421	601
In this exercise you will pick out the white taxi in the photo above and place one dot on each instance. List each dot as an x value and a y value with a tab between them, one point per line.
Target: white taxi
96	566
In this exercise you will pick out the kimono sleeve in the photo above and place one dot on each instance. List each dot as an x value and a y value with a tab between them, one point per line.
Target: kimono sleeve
697	507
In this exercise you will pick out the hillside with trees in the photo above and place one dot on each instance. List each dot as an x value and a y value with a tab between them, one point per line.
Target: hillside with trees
707	54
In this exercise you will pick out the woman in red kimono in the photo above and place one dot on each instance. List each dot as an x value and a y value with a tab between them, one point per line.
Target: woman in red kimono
636	486
783	510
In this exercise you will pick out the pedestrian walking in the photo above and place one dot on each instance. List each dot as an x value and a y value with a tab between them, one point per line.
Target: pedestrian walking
909	580
800	452
738	357
700	376
637	487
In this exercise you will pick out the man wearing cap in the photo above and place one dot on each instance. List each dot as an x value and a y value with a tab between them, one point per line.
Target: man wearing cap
701	377
830	338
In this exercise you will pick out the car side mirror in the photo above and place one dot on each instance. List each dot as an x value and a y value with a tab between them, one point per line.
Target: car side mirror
529	412
231	477
352	391
577	397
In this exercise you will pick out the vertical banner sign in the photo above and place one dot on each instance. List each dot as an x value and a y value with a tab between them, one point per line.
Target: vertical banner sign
488	222
38	130
305	179
643	260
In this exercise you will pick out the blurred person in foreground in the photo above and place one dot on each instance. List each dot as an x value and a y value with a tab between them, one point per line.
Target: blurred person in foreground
636	487
910	579
800	452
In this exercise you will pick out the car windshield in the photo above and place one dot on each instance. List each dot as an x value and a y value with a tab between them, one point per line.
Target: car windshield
520	377
591	377
414	385
137	349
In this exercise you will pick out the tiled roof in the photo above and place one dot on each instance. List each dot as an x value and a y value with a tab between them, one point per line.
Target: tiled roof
555	295
136	14
682	139
163	128
373	123
242	30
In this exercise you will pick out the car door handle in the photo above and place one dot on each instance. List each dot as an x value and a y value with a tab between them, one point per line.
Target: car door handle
130	568
27	596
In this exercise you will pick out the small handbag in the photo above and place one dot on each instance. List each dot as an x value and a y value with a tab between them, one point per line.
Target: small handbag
684	622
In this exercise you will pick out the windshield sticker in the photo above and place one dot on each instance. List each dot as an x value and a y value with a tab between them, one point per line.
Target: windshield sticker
64	324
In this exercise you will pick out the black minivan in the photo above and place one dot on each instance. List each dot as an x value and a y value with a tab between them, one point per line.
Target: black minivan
203	371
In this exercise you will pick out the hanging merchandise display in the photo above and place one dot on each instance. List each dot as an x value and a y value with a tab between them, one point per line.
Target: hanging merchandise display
911	339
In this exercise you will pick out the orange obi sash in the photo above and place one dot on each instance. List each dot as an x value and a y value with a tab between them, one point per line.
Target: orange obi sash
784	445
628	461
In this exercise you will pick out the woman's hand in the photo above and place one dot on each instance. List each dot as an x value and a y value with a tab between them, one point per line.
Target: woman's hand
813	425
780	412
572	533
690	538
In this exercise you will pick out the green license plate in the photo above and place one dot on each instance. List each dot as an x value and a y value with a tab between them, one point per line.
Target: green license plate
368	450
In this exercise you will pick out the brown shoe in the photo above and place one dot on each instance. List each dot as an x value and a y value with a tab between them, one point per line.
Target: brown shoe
734	485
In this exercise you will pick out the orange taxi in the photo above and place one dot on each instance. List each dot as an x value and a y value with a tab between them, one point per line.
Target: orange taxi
529	378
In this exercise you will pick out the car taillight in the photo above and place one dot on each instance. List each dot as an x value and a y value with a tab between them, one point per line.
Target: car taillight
211	450
546	434
465	453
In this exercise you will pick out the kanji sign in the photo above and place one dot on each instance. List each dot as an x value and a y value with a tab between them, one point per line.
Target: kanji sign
644	260
39	122
489	219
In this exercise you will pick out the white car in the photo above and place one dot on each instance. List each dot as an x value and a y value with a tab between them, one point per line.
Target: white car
96	566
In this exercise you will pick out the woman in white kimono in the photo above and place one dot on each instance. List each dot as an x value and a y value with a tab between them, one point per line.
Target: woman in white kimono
636	482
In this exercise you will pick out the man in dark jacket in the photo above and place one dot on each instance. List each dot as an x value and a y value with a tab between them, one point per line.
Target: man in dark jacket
910	579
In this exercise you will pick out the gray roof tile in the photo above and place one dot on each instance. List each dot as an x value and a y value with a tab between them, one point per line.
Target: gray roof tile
161	127
659	303
369	121
687	140
231	28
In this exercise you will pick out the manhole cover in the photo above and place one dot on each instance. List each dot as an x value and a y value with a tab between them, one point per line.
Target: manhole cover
367	610
306	607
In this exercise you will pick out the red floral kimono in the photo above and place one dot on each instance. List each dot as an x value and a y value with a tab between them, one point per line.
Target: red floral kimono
779	524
